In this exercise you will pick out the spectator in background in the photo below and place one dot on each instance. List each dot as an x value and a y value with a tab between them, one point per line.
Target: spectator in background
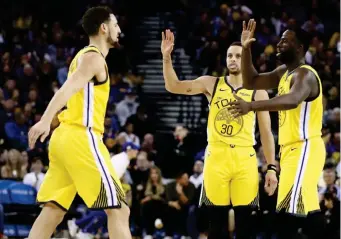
36	176
197	177
329	178
330	207
13	167
34	101
118	88
6	115
148	145
16	132
128	134
153	204
139	174
183	150
10	91
63	71
141	121
179	196
127	107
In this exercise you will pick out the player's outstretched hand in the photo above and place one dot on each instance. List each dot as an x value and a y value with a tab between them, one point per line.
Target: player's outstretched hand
270	182
248	32
238	107
40	129
167	43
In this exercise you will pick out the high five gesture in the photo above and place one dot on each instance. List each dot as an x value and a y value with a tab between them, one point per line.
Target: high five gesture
167	43
248	32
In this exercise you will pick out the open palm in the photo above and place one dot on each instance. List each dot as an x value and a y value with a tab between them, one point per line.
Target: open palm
167	43
248	32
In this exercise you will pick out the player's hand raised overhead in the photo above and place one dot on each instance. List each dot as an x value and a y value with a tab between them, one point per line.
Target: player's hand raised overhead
167	43
248	32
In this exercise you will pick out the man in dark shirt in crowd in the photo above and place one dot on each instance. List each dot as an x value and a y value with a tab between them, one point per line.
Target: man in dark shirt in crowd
179	196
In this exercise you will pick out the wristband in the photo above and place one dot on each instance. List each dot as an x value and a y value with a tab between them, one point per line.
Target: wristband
272	167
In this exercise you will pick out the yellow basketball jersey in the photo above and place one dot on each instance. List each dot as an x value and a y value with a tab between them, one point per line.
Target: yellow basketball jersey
87	107
222	126
303	122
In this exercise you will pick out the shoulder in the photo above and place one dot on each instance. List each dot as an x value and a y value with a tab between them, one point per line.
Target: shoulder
92	60
281	70
207	80
305	74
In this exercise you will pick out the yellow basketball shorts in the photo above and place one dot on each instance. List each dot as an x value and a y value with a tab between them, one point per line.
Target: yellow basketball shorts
230	176
301	166
80	163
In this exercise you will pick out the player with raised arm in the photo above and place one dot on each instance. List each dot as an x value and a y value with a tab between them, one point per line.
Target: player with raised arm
79	160
230	171
299	103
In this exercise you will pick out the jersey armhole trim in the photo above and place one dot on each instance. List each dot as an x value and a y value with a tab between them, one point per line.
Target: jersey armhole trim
319	90
253	95
94	79
214	89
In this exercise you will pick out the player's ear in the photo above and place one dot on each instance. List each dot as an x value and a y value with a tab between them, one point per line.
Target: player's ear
103	27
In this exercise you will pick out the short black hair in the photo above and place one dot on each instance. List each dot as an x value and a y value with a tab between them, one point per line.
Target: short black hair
302	37
329	165
93	18
36	159
180	174
236	43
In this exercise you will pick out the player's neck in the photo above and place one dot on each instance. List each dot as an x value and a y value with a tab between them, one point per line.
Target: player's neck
100	44
235	81
295	64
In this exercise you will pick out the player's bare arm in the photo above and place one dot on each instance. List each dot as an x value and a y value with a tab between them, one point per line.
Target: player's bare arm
201	85
268	143
90	65
251	78
303	87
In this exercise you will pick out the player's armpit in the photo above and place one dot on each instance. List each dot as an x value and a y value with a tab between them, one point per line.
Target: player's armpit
203	84
268	80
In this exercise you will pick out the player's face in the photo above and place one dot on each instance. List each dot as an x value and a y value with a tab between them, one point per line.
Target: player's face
113	31
233	59
287	49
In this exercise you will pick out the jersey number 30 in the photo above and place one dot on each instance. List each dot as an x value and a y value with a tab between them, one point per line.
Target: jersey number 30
226	129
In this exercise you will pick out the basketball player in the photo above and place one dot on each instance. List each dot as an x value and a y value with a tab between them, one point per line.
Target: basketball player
299	103
230	170
79	161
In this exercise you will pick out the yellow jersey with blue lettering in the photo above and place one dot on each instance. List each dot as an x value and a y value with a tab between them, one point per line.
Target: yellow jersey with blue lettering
87	107
222	126
303	122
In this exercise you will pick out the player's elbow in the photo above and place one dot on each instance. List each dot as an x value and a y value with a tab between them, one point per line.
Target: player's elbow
168	88
293	103
171	88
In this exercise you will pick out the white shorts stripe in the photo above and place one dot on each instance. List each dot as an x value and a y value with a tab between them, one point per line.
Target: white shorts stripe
91	104
301	168
103	169
85	105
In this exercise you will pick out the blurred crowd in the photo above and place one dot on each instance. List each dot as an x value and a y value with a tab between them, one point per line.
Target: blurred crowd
163	181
